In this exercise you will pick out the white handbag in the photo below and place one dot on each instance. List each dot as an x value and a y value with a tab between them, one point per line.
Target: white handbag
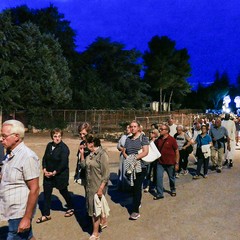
153	153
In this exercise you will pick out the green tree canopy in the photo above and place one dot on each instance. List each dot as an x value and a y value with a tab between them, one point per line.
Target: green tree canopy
49	21
166	68
33	74
110	76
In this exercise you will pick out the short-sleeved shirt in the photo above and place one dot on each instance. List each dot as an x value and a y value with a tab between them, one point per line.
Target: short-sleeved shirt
203	140
23	165
181	140
218	133
167	148
132	145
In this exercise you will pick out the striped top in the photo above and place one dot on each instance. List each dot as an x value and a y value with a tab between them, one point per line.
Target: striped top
22	165
132	145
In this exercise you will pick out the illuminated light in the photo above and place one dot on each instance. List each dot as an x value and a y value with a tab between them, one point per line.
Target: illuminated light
227	110
226	101
237	101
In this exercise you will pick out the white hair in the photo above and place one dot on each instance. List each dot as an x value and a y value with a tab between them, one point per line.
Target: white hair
16	127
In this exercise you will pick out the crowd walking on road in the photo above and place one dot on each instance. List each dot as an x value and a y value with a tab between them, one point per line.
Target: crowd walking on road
211	142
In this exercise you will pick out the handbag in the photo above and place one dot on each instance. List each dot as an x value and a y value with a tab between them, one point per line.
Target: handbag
153	153
189	149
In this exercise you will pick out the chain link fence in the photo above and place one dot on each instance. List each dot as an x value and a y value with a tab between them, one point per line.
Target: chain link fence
114	120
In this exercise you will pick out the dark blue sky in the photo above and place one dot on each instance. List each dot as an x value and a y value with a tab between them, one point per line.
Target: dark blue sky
209	29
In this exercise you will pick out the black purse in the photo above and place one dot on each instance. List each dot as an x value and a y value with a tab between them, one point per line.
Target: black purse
189	149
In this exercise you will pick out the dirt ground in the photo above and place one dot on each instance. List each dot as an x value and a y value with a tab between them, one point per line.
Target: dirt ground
203	209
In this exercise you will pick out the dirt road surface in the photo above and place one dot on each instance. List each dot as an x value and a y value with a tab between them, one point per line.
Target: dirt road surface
206	209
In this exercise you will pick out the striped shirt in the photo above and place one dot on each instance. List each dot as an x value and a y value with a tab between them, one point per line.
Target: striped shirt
22	165
132	145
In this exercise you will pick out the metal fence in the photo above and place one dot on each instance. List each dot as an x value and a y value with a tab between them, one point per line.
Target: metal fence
113	120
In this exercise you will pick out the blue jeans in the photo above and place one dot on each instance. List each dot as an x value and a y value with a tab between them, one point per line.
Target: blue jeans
13	228
151	173
170	169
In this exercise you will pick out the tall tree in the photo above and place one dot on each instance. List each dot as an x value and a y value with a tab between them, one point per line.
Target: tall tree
166	68
115	71
49	21
34	75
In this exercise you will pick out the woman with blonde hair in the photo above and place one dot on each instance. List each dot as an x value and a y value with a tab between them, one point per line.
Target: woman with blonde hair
133	144
83	129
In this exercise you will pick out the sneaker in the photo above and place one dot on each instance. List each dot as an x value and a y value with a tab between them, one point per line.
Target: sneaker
213	168
196	177
185	172
146	190
205	176
219	170
158	197
230	164
134	216
225	163
177	175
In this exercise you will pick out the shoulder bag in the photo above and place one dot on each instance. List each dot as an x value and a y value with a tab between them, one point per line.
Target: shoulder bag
153	153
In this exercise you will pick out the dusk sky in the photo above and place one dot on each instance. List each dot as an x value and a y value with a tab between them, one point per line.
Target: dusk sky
209	29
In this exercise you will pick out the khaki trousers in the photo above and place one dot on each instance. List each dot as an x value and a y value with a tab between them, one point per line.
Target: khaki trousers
217	157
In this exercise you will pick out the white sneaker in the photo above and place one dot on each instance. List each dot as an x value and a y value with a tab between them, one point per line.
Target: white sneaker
134	216
185	172
146	189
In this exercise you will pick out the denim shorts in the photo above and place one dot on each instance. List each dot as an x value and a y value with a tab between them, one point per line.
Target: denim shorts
13	228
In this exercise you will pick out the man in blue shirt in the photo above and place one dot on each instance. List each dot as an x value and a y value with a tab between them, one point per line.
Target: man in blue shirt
219	136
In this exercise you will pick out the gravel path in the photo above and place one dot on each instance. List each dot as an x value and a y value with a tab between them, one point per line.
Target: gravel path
203	209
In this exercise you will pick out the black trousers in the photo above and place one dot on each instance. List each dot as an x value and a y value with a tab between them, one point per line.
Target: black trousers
183	161
137	190
47	189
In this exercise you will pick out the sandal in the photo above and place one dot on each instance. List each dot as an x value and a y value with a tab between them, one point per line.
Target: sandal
43	219
69	213
93	237
102	226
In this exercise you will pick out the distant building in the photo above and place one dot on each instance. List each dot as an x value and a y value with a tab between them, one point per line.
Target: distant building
155	106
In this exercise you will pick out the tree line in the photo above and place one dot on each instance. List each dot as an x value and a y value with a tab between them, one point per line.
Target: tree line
42	70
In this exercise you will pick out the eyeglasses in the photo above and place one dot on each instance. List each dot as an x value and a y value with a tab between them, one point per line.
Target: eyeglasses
161	129
3	136
57	136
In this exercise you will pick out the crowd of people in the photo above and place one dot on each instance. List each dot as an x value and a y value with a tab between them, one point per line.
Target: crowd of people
20	171
20	167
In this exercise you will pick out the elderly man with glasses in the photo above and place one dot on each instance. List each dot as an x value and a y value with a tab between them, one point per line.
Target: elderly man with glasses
169	161
19	187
